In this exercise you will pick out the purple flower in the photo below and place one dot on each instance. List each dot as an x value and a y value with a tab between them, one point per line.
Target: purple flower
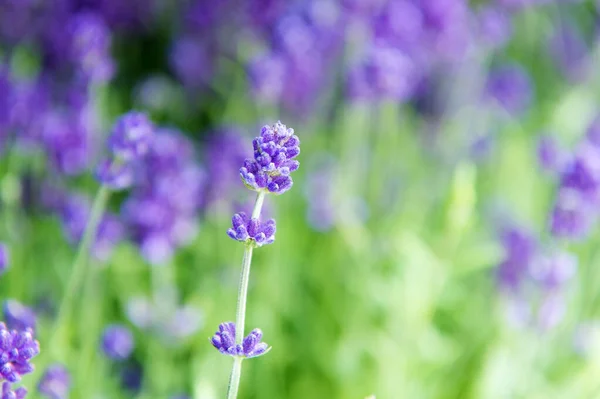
274	153
55	383
553	270
569	49
509	86
252	231
8	393
191	62
494	25
520	248
66	142
18	316
551	156
131	136
572	216
115	175
4	258
90	47
17	348
117	342
224	341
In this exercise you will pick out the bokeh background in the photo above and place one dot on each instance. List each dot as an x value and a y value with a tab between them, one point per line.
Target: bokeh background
440	240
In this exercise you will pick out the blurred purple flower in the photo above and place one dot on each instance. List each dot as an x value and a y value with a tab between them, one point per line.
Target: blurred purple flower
569	50
18	316
132	136
572	216
117	342
551	156
553	270
4	258
55	383
67	144
191	61
8	393
90	48
509	86
495	26
520	248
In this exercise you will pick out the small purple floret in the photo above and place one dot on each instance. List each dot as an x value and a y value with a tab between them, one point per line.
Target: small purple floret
224	341
117	342
274	153
116	176
8	393
131	136
55	383
252	230
18	316
4	258
17	348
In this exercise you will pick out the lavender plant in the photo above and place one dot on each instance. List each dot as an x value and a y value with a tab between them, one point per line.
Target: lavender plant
267	172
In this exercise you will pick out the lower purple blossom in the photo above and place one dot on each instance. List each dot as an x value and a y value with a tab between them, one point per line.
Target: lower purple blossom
17	348
4	258
8	393
55	383
115	175
251	230
224	341
117	342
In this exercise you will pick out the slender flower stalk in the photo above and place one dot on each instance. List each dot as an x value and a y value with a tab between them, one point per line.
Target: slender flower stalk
268	172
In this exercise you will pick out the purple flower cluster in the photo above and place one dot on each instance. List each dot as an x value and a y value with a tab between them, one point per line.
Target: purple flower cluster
4	258
578	196
162	210
8	393
18	316
169	320
224	341
55	383
533	279
130	140
274	153
252	231
117	342
17	348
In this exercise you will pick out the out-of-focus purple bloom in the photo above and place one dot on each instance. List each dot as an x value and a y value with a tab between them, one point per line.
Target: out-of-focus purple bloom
274	153
385	73
225	151
551	156
569	50
520	248
117	342
115	175
572	216
553	270
162	210
4	258
551	311
252	231
17	348
8	393
74	212
55	383
224	341
131	136
67	144
191	61
185	321
90	47
494	25
510	87
267	74
583	172
18	316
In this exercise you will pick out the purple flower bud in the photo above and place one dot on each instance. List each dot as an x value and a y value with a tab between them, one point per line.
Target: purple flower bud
117	342
8	393
90	47
18	316
510	87
17	348
273	160
550	155
55	383
252	230
572	216
4	258
115	175
131	136
224	341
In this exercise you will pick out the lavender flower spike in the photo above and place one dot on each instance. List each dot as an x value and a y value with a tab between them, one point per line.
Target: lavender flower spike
55	383
251	230
274	153
17	348
8	393
224	341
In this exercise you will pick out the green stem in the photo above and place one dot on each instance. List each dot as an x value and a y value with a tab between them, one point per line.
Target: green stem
240	315
234	379
78	271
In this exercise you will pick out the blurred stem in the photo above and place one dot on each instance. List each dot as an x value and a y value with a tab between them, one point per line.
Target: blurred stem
240	316
78	271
